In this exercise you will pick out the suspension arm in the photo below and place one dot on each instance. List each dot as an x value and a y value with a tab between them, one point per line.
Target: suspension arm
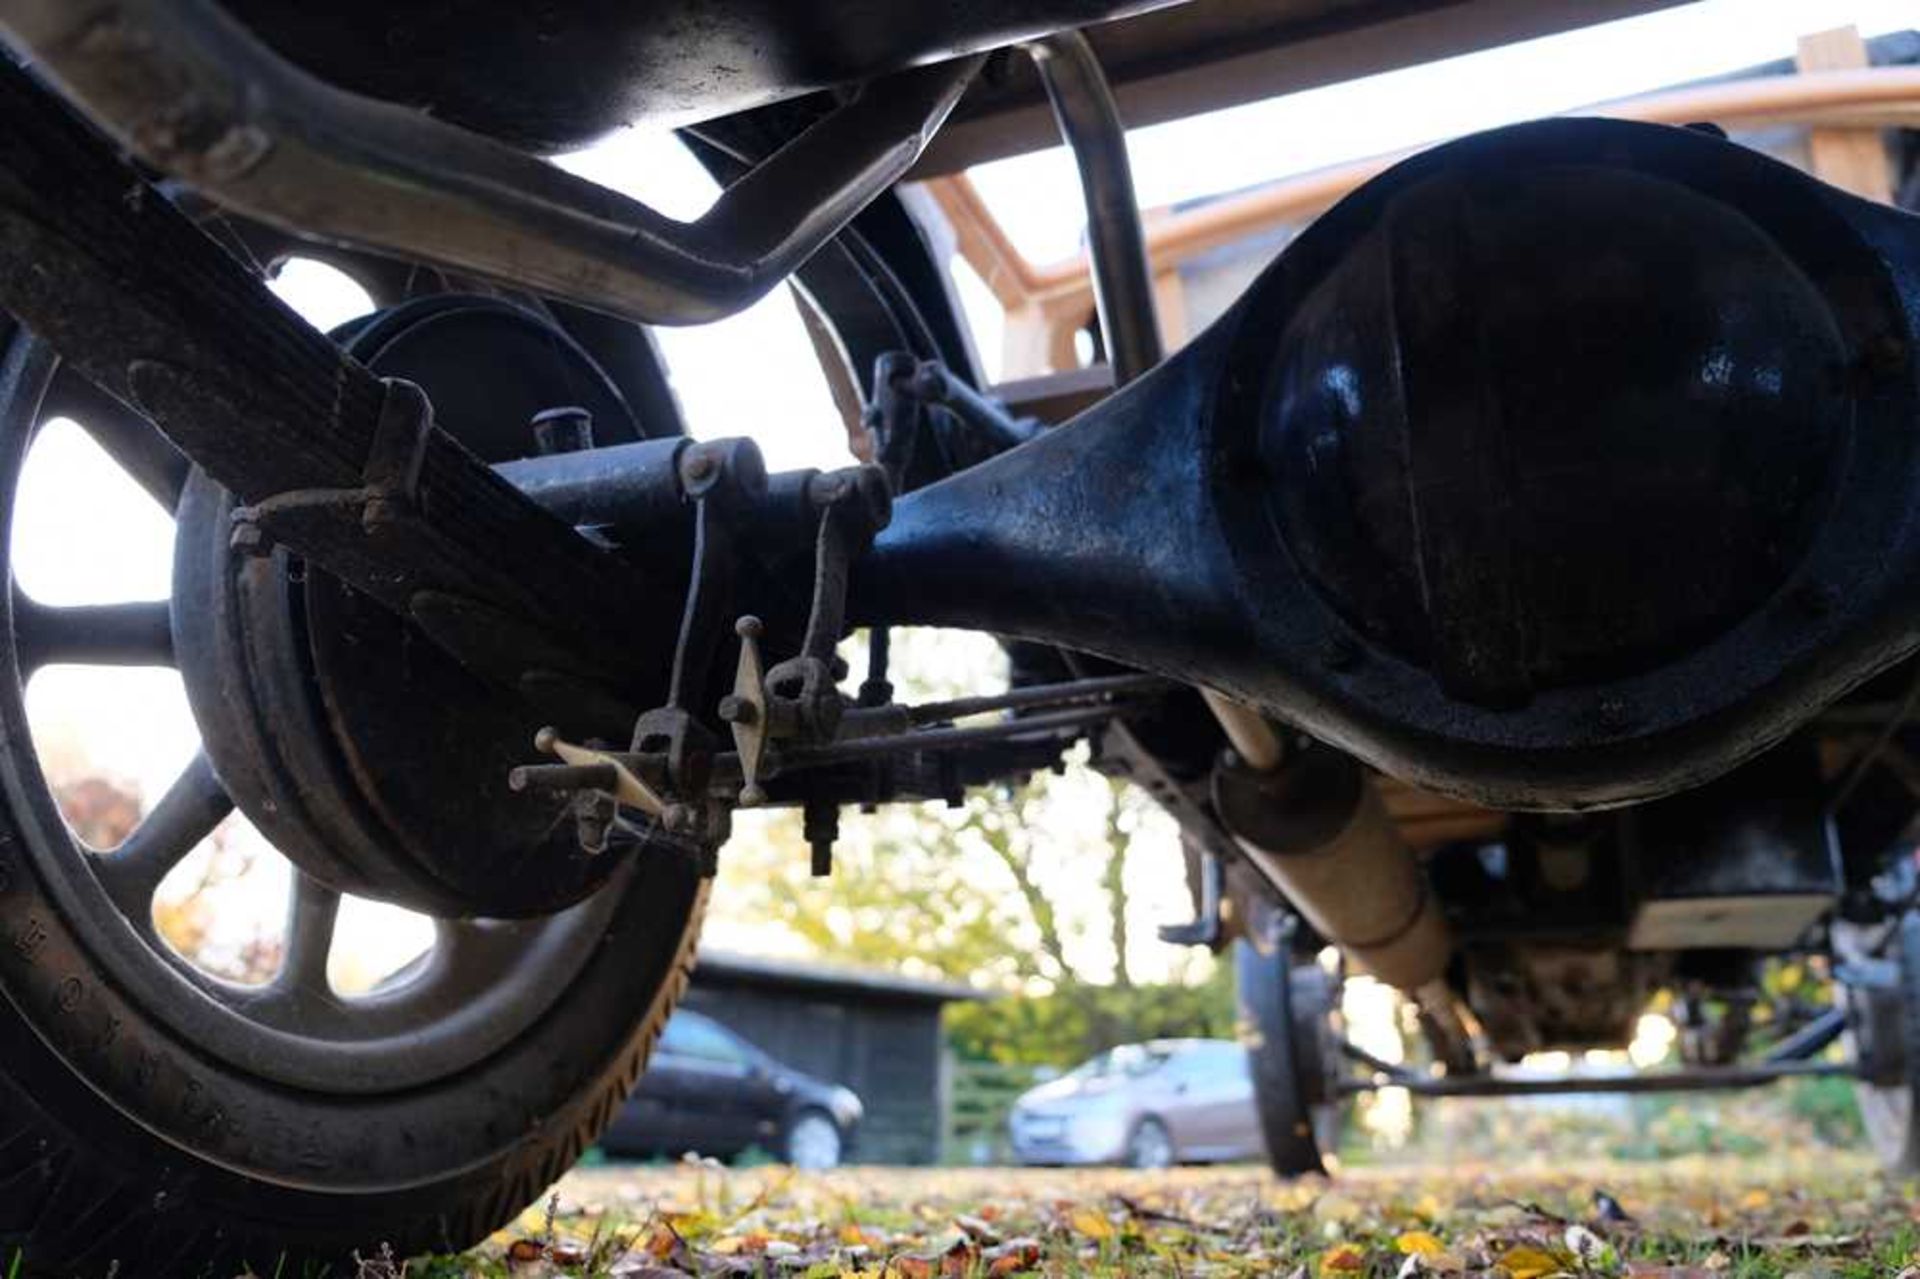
157	315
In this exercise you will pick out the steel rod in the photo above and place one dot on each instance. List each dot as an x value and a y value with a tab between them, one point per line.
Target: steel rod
1065	693
1699	1079
1395	1074
1089	120
1811	1038
941	738
192	92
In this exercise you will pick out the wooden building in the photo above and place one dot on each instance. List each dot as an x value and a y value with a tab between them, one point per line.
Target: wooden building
876	1033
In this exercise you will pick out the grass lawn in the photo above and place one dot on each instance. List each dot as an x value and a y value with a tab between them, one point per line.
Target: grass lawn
1813	1214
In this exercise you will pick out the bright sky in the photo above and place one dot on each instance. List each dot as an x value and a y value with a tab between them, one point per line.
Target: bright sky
1036	196
84	534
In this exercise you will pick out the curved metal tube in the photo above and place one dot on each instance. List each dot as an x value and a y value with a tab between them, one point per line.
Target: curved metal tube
1089	120
193	93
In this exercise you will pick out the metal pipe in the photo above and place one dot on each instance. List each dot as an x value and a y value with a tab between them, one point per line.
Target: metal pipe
1031	696
1318	830
1391	1072
1089	119
623	484
1440	1016
1698	1079
190	91
935	382
1051	722
1811	1038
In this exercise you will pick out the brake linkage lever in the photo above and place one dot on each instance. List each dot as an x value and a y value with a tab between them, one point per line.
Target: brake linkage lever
799	699
667	769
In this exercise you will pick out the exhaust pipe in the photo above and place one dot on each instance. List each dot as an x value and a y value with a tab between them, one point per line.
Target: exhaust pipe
1316	828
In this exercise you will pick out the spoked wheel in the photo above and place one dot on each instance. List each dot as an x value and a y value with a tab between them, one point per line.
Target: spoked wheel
1883	1028
1286	1014
157	1118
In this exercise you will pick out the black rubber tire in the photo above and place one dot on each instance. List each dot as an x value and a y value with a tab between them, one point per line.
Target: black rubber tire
124	1149
814	1113
1149	1125
1891	1111
1294	1120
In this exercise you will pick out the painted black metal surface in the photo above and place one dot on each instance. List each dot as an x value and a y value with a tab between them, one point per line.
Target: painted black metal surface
557	74
374	759
1566	465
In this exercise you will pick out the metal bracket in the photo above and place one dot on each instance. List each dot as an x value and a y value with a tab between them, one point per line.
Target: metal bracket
390	477
599	769
749	712
854	504
1206	926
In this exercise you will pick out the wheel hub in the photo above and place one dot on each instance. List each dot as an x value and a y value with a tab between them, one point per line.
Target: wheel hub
371	758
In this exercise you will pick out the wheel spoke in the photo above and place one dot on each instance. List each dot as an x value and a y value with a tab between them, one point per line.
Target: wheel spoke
132	634
132	441
311	916
193	806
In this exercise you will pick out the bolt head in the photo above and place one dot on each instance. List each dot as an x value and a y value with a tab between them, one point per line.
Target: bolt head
1340	653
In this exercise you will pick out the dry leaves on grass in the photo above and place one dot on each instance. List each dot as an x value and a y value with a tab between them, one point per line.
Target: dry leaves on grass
1700	1219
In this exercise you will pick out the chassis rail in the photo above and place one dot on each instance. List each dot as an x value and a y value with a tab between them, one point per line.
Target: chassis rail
190	91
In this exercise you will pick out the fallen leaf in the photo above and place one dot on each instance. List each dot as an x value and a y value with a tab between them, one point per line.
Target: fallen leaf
1012	1257
1342	1258
1092	1224
1526	1262
1335	1208
1589	1249
1419	1243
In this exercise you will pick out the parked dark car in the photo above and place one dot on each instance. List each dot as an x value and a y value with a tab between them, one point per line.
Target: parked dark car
709	1091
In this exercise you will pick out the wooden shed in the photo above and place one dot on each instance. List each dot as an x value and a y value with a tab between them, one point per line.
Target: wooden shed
876	1033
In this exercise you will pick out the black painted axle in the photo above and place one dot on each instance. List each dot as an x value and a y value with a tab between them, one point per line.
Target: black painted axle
1563	466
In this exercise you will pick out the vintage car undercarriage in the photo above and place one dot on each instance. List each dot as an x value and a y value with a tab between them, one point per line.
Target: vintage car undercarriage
1516	590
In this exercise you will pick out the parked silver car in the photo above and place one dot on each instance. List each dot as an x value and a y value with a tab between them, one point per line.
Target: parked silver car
1149	1105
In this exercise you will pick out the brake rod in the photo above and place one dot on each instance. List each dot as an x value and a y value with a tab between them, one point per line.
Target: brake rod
136	298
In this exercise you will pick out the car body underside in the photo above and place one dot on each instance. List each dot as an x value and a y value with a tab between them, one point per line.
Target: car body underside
1516	589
